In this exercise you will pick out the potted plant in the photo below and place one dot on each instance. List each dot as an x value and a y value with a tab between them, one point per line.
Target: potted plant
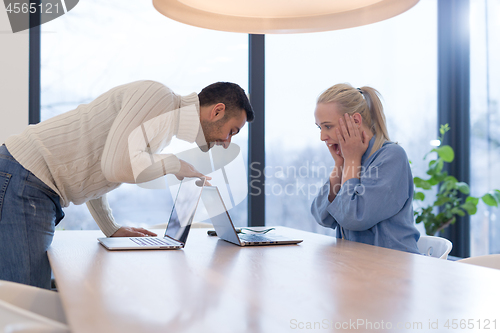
448	201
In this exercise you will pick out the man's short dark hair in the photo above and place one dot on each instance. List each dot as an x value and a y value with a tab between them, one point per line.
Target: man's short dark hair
231	95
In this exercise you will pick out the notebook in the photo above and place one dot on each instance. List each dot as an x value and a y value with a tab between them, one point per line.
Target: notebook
181	218
224	227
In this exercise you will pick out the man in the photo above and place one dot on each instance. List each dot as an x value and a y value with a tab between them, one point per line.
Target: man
81	155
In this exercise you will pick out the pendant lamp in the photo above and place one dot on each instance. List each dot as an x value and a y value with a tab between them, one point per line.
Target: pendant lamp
280	16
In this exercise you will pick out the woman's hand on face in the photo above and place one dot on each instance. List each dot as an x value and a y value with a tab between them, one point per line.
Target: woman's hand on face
353	144
336	154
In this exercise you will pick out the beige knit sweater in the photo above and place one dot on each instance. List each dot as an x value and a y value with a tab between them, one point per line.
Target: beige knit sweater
89	151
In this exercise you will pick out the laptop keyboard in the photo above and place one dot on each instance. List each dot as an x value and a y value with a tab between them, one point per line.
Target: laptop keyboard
148	241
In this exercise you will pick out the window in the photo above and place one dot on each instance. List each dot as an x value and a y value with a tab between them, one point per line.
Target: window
398	57
99	45
485	121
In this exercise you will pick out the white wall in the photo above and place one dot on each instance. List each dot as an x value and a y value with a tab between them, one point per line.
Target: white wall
14	71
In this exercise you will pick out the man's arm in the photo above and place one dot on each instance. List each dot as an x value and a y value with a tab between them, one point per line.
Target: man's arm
102	214
145	123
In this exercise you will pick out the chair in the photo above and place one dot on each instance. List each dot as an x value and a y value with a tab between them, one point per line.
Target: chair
25	308
432	246
491	261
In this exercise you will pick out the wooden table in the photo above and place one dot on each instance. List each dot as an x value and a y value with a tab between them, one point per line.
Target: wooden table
320	285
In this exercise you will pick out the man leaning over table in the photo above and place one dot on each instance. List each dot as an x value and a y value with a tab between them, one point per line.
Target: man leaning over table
81	155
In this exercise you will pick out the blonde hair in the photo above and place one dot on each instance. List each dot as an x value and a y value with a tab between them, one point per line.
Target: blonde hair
366	102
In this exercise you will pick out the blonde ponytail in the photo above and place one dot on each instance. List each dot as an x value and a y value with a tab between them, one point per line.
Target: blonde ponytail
364	101
378	125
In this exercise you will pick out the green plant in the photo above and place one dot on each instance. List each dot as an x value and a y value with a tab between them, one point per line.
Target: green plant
448	200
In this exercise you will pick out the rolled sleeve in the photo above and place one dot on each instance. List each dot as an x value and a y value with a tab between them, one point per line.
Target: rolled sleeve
319	208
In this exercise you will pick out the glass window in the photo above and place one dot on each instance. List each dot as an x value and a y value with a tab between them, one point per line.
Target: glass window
398	57
99	45
485	121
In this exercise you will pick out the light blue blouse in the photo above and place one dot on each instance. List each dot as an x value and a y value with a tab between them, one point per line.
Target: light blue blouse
377	208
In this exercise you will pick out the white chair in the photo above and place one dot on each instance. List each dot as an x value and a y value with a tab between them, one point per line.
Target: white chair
432	246
25	308
491	261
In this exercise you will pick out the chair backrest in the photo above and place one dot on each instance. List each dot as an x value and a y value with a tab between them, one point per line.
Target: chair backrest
432	246
15	319
491	261
35	300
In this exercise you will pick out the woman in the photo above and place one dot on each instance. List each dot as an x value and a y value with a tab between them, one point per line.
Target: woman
368	197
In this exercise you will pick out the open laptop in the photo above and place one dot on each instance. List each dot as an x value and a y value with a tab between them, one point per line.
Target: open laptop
224	226
181	217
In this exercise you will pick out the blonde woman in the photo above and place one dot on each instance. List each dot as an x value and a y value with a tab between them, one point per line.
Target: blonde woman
368	197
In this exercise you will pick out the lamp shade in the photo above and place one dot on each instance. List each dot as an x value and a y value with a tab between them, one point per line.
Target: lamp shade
280	16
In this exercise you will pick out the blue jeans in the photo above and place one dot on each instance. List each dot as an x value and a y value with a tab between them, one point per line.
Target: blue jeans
29	212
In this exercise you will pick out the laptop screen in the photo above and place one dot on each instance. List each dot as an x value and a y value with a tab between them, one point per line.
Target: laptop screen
184	209
219	215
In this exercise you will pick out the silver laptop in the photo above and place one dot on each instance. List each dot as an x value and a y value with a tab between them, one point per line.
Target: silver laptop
181	218
224	226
